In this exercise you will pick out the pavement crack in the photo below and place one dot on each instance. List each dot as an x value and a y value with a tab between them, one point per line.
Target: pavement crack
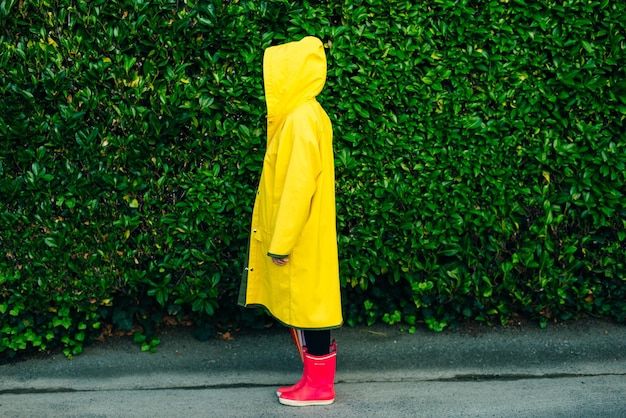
456	378
512	377
494	377
32	391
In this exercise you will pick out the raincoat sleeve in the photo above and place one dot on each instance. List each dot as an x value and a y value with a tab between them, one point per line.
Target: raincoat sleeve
300	160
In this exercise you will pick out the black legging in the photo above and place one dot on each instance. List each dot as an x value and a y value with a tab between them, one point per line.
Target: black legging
317	342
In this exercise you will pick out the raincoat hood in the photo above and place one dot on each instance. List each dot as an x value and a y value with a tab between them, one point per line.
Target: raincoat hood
293	73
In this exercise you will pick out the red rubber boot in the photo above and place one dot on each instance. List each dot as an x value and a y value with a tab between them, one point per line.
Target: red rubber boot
317	386
297	339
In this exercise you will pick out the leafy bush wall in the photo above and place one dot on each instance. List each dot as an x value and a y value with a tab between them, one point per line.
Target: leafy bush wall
479	148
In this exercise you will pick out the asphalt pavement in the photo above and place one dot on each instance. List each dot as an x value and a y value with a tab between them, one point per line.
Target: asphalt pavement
573	369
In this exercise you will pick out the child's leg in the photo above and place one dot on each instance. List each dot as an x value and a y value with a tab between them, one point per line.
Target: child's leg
317	342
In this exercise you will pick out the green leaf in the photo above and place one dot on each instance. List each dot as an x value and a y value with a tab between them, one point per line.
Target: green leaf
50	242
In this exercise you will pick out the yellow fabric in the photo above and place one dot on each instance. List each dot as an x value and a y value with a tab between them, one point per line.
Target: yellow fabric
294	210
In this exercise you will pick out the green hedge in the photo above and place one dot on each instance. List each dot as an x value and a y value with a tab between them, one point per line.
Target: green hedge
479	147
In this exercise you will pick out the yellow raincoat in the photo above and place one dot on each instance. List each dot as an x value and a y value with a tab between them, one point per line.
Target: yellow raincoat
294	209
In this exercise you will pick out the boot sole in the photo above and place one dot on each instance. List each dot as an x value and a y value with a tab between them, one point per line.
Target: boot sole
291	402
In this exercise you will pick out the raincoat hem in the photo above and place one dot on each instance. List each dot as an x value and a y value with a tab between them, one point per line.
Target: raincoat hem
259	305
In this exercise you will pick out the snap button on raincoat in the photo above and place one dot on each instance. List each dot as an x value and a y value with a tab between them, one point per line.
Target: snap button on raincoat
294	212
